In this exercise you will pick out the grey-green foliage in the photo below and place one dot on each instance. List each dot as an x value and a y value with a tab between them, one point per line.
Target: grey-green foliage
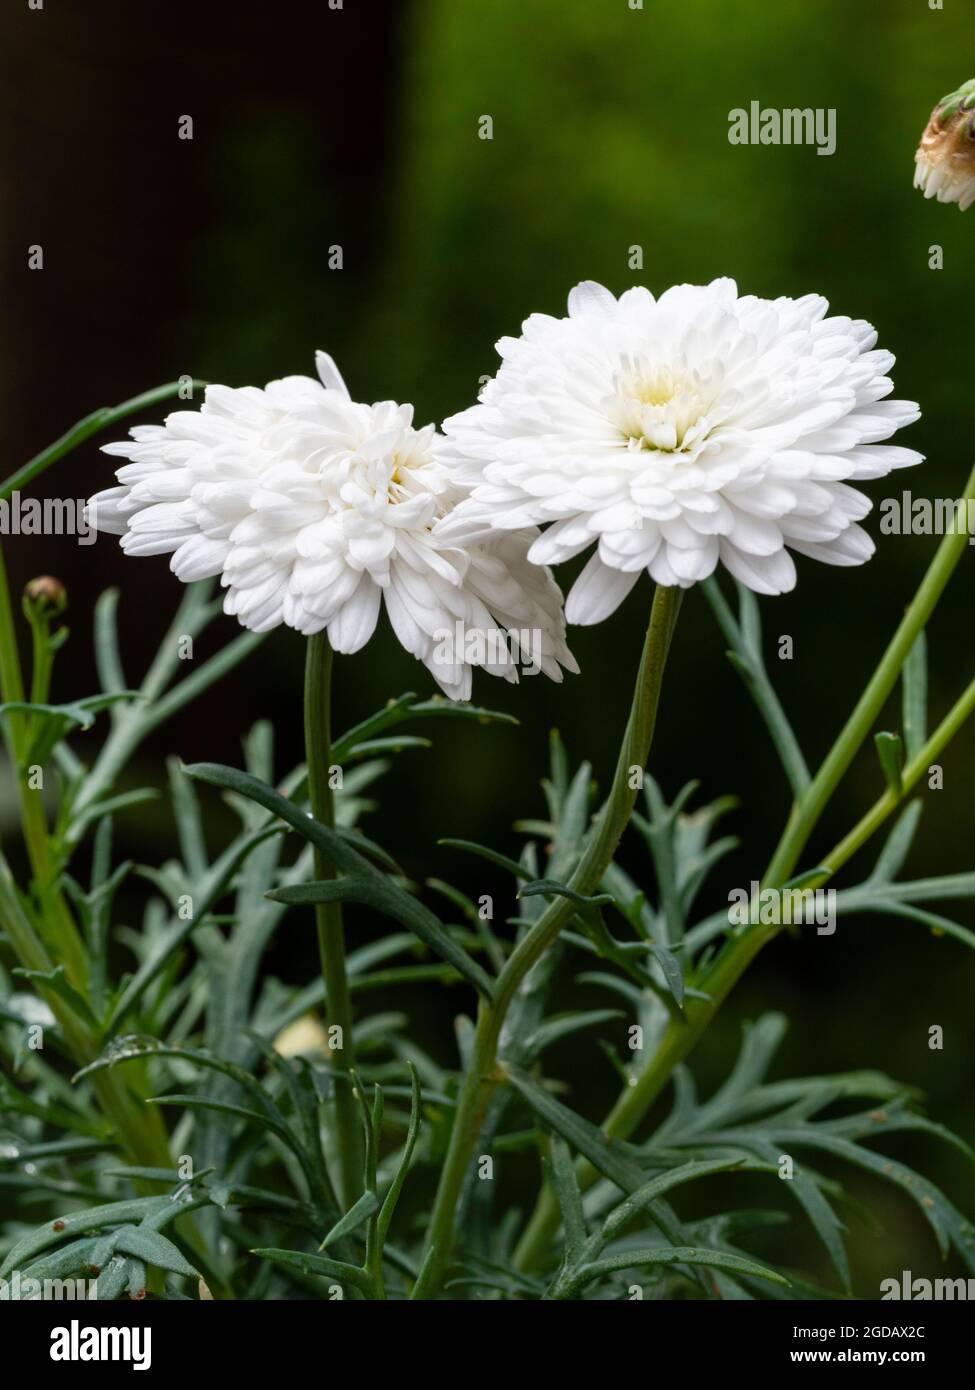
197	1025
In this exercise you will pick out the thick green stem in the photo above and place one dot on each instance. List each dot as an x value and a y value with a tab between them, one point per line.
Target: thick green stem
328	916
485	1072
810	807
682	1035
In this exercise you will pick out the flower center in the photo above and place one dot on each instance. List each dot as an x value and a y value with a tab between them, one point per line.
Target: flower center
662	410
658	390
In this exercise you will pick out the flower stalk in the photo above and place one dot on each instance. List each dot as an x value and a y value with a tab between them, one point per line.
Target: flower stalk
885	806
810	807
682	1035
485	1071
140	1127
328	916
56	916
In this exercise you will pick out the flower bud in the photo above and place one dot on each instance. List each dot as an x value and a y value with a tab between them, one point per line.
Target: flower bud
945	158
46	595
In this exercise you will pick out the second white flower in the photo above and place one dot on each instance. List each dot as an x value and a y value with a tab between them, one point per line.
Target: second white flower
680	433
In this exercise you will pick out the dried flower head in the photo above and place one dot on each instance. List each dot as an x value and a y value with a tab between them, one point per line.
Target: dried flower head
945	158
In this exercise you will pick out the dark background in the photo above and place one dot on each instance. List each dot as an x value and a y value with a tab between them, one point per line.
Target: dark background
315	127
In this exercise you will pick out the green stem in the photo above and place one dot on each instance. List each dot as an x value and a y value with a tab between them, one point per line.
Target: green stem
810	807
484	1073
140	1128
682	1035
913	772
11	679
328	916
747	659
57	918
84	429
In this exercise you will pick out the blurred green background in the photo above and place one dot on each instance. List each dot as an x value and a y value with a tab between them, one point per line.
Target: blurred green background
359	127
